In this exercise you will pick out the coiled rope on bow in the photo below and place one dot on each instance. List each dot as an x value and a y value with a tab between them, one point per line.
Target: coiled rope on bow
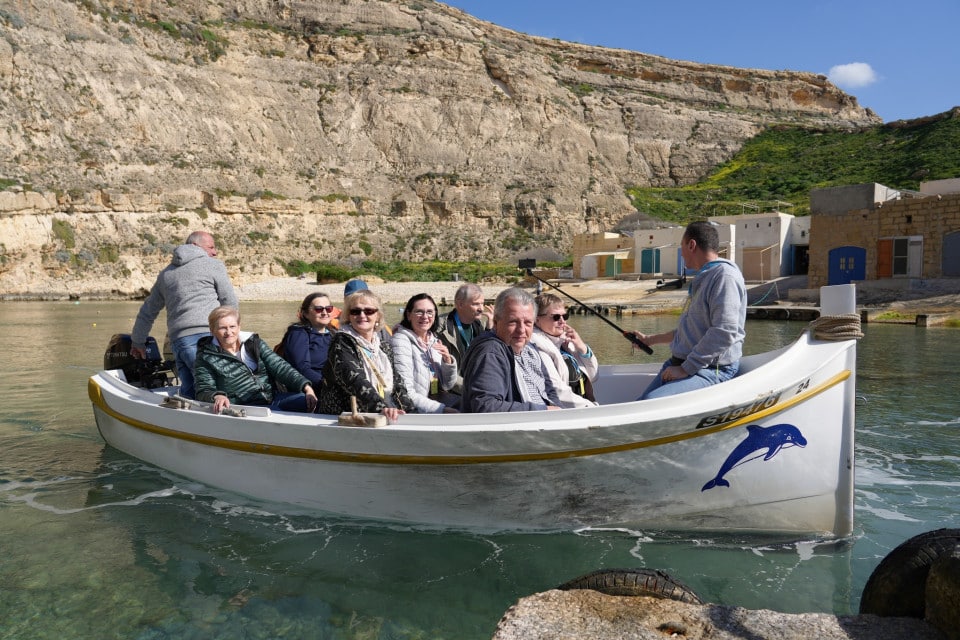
840	327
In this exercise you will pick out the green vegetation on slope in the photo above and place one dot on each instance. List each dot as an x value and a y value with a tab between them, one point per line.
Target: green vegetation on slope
401	271
782	165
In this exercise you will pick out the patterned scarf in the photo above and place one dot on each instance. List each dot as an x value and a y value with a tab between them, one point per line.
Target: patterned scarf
530	370
376	363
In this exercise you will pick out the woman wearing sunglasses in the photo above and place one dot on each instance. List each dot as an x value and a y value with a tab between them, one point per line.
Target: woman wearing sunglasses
569	361
423	361
360	364
307	341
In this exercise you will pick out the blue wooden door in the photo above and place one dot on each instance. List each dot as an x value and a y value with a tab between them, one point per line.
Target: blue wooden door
846	264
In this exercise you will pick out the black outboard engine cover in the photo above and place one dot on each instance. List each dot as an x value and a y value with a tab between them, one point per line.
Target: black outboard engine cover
150	372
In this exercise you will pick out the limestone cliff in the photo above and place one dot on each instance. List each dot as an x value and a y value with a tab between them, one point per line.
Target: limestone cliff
337	130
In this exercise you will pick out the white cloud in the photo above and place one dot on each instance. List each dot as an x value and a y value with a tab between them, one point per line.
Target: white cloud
852	76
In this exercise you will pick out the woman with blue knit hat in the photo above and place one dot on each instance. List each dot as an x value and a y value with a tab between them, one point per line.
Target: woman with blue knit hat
356	285
353	286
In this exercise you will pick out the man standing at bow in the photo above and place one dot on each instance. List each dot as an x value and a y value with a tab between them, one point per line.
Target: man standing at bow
707	344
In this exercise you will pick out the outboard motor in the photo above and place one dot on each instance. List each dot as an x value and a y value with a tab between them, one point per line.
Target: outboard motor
150	372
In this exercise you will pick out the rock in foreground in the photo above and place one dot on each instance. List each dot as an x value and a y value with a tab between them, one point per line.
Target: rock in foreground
556	615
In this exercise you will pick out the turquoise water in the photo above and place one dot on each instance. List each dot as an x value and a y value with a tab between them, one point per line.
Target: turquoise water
98	545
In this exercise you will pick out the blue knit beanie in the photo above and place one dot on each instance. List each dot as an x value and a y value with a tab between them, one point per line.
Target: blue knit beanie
353	286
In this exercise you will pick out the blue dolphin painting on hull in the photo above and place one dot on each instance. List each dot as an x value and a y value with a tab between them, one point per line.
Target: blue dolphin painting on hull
770	438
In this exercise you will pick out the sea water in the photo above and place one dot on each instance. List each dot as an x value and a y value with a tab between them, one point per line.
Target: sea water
95	544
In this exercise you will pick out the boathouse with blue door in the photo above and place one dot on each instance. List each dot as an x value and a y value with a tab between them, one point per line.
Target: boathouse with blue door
950	260
883	237
847	264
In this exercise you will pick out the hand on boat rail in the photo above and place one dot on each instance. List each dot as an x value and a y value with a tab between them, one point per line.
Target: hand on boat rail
177	401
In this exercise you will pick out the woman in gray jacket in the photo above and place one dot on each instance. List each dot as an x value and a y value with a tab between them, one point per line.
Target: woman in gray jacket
423	362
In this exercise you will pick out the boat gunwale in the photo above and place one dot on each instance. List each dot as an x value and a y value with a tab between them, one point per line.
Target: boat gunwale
99	401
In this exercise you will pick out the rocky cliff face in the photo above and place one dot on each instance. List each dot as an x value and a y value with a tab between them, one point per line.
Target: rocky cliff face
337	130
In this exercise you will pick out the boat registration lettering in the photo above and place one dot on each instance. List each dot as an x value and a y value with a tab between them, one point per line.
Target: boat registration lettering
738	412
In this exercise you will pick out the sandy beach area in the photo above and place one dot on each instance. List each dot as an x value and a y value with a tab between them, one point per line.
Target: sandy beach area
635	296
605	292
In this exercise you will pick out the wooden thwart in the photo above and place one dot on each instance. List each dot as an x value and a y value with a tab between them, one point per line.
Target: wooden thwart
357	419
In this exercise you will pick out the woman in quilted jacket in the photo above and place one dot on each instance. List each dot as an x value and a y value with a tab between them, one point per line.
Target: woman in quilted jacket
237	367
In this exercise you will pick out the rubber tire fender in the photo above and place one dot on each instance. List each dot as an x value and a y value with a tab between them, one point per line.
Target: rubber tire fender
634	582
897	586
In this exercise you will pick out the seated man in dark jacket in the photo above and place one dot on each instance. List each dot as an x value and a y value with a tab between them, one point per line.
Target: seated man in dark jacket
501	370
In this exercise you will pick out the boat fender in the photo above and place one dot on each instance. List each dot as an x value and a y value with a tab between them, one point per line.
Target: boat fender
897	586
634	582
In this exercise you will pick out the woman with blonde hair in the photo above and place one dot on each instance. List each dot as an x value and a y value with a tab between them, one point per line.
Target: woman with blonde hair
568	360
237	367
360	363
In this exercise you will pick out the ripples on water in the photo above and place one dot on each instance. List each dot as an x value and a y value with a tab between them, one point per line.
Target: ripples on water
98	545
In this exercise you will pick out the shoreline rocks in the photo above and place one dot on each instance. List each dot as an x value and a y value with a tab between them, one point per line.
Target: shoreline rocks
912	593
562	615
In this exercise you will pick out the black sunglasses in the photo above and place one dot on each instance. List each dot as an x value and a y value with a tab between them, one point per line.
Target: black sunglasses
556	316
367	311
328	309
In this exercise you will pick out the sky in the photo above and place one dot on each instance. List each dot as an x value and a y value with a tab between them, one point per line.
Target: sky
899	58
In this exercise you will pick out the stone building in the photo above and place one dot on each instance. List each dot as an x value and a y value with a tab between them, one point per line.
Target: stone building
602	254
870	232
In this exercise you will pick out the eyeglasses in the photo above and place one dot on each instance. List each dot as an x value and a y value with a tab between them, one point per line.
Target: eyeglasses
367	311
556	316
327	309
424	313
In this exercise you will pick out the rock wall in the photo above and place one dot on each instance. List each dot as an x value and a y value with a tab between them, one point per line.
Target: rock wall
341	129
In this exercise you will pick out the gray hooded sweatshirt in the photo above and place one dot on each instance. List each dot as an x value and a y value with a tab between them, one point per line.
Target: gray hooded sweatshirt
193	285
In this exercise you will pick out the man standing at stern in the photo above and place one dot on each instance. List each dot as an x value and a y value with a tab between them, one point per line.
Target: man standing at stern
502	371
707	344
190	287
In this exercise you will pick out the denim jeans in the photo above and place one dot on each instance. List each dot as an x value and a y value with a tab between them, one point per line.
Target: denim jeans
184	355
289	401
704	378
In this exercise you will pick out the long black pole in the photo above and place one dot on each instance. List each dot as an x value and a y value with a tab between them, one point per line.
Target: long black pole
628	335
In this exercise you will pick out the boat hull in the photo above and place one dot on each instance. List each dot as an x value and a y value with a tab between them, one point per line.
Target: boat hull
770	451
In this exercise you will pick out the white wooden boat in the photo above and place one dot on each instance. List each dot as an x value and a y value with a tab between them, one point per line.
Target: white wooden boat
769	451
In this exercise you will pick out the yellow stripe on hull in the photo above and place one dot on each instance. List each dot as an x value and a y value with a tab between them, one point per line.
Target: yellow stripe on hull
96	396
